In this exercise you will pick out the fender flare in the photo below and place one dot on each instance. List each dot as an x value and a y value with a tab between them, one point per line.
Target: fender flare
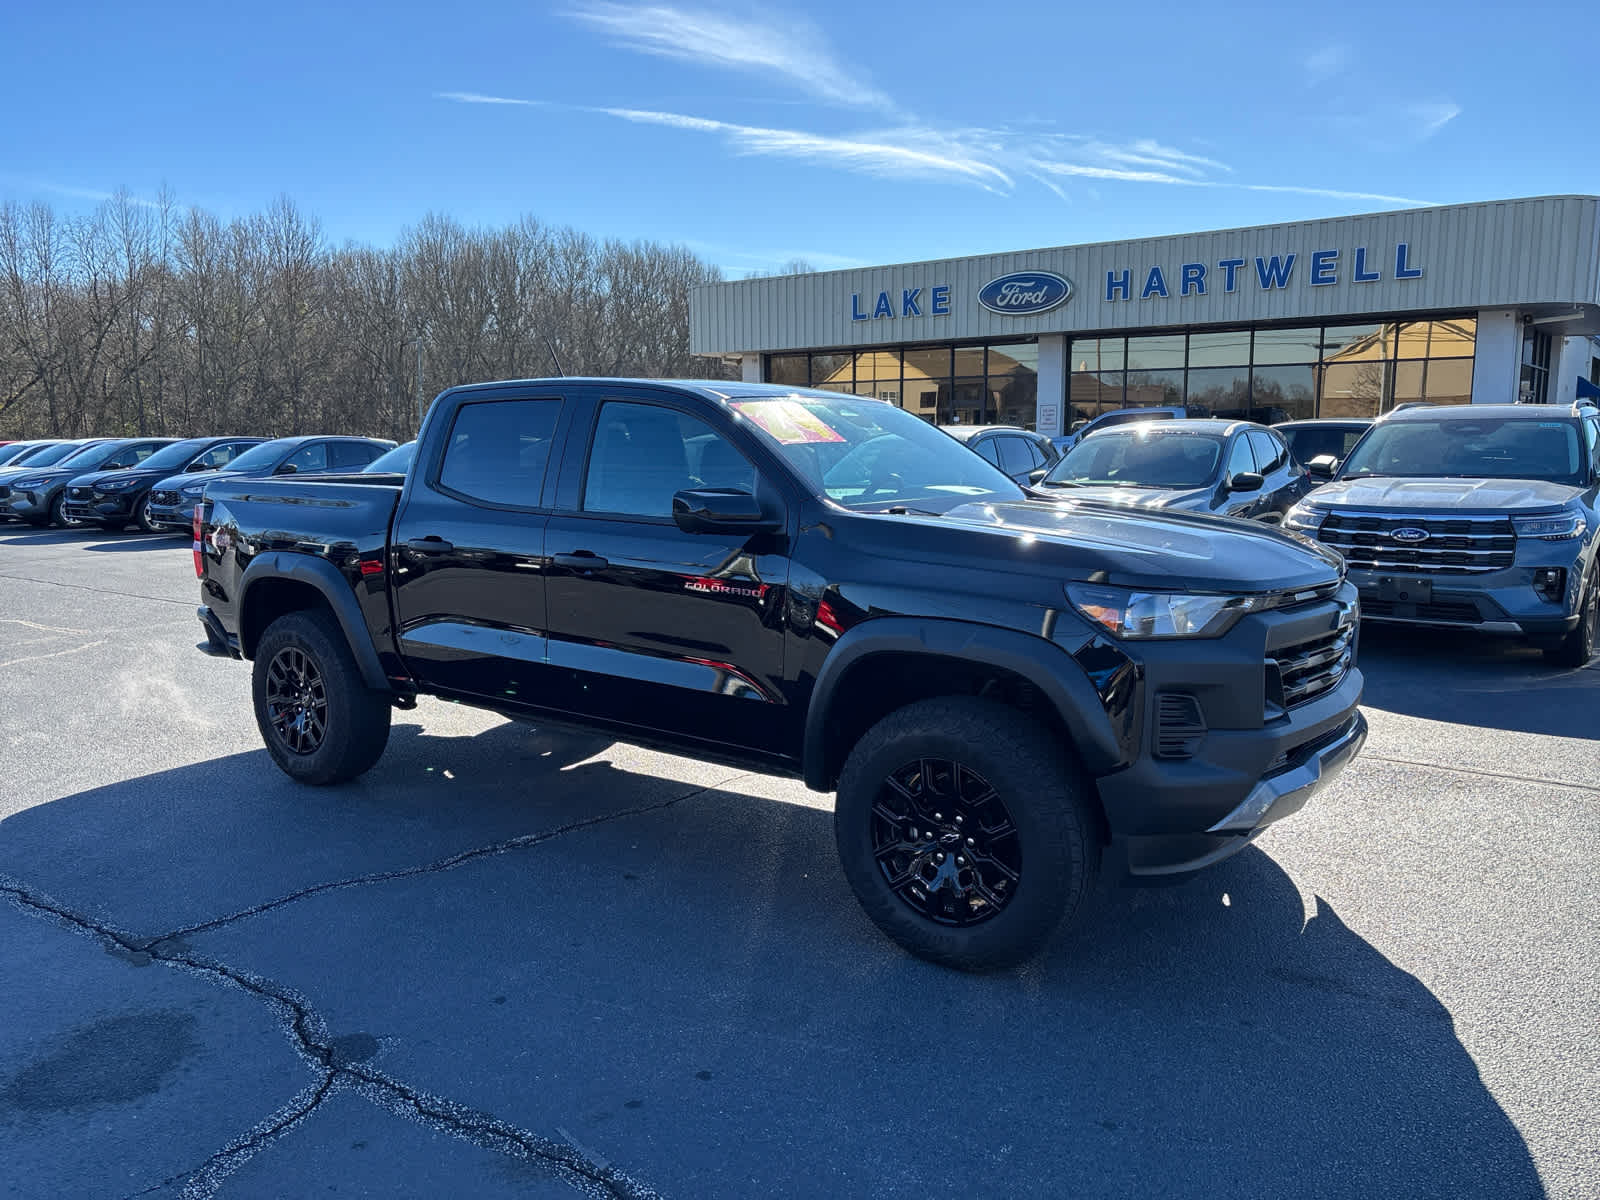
1045	664
334	588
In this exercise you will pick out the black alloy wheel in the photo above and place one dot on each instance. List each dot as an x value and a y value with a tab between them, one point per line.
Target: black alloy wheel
297	701
945	842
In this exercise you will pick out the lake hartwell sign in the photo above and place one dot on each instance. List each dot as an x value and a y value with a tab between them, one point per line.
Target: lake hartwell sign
1029	293
1277	271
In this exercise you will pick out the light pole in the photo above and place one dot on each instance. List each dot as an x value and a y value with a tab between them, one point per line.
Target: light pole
422	407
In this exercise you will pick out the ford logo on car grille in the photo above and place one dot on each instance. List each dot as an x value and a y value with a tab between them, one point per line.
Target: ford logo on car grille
1409	533
1025	293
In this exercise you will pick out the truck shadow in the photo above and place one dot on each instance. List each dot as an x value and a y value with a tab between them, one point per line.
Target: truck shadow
1492	683
692	987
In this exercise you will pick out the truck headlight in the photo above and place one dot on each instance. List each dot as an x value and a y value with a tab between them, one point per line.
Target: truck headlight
1307	518
1556	528
1137	616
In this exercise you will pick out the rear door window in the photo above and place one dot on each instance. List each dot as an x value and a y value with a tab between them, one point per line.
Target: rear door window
1015	458
307	460
499	450
354	454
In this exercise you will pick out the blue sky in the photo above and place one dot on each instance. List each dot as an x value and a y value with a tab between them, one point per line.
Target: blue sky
842	133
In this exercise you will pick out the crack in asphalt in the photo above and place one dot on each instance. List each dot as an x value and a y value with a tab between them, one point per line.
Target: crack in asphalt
1506	775
448	863
83	587
309	1035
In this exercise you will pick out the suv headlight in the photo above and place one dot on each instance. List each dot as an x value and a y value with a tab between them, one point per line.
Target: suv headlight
193	490
115	485
1306	517
32	481
1556	528
1137	616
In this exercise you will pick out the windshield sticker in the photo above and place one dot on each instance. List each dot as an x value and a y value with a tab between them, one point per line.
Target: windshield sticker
788	421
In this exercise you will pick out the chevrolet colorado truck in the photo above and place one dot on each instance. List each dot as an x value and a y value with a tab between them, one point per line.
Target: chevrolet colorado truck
1474	517
1006	694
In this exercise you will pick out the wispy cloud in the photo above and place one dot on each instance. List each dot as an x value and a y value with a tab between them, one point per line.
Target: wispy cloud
1428	119
992	159
792	50
27	183
1323	63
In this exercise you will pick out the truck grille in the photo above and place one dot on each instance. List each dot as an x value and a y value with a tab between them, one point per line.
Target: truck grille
1305	670
1453	545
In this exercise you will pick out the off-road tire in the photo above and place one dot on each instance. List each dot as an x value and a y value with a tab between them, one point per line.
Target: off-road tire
1050	800
1577	648
356	717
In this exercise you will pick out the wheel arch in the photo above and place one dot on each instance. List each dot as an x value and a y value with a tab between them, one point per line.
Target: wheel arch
279	583
888	662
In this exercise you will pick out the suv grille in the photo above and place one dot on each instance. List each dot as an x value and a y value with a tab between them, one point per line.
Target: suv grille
78	493
164	497
1305	670
1453	545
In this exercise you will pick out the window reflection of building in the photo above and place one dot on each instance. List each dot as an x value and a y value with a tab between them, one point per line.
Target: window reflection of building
1270	375
1274	375
966	385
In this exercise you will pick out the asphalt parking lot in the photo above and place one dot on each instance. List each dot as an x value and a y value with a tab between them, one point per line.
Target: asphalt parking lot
512	963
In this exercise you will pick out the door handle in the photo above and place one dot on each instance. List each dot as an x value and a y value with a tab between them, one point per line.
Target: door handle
429	545
580	560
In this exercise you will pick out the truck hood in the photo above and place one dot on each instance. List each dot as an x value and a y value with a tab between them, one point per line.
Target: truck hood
1413	494
1164	551
1130	497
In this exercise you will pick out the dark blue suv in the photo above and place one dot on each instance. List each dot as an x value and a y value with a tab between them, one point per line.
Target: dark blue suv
1475	516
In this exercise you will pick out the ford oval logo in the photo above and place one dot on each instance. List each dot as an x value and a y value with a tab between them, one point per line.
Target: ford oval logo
1025	293
1409	533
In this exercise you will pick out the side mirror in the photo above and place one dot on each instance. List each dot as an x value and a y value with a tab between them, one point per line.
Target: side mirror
1246	481
719	510
1036	477
286	469
1323	466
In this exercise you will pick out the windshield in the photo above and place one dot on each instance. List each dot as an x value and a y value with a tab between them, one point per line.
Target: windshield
81	455
1151	458
397	460
871	456
170	458
258	458
1313	441
1487	448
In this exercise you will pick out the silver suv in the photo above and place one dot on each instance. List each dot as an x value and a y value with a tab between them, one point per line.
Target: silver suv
1476	516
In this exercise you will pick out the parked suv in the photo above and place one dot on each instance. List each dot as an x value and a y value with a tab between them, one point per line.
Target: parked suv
1225	468
1475	516
40	497
112	499
1003	692
1020	453
172	500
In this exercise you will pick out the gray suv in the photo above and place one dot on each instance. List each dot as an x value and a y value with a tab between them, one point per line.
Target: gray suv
1477	516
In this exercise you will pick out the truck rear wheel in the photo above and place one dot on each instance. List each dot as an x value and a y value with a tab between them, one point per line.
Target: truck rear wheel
320	721
965	832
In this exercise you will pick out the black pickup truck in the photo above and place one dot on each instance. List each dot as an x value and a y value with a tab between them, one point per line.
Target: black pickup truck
1006	694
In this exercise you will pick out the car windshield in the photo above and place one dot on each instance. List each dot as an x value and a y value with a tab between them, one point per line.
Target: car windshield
1471	448
1144	457
170	458
82	455
871	456
397	460
260	457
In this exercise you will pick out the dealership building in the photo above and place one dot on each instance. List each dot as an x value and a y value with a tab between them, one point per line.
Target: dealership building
1348	316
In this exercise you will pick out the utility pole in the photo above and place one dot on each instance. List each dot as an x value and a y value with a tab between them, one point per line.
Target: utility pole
421	407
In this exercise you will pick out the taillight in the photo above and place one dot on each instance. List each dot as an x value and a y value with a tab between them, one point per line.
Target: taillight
199	562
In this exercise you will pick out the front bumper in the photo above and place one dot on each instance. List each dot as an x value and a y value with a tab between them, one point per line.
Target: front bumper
173	518
97	508
1496	602
31	505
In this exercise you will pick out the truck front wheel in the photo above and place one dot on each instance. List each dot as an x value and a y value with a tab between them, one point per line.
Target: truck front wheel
965	832
319	720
